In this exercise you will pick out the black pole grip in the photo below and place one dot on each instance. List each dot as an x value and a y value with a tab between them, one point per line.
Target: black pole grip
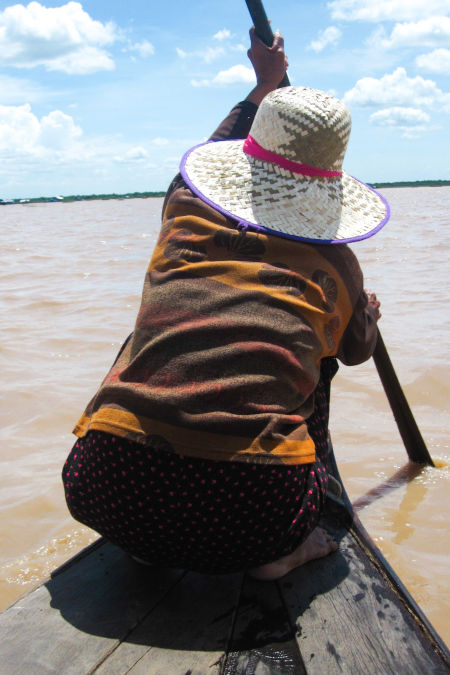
263	29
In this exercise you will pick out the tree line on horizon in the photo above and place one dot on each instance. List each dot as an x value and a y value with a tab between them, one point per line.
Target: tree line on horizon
80	198
145	195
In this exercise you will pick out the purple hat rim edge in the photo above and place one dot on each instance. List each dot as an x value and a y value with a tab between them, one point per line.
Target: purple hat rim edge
262	228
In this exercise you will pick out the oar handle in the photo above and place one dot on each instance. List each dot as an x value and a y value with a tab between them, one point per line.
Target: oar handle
409	431
263	29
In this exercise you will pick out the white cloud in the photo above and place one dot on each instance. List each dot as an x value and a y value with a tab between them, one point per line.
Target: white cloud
431	32
58	130
222	34
19	128
22	132
81	62
397	89
181	53
55	139
144	48
386	10
234	75
329	36
50	155
437	61
411	122
62	38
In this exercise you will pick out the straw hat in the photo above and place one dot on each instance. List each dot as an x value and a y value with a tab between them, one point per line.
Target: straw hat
286	178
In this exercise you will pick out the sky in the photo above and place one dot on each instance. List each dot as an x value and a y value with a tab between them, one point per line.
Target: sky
102	97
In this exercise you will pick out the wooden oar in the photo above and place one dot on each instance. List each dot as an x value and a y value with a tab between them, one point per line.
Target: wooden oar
409	431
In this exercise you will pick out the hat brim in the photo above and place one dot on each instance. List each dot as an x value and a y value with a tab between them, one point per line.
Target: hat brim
265	197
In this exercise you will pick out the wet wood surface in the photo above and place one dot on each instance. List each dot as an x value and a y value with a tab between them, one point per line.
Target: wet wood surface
104	613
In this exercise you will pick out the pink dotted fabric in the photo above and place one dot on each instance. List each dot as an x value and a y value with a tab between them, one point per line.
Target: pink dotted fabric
191	513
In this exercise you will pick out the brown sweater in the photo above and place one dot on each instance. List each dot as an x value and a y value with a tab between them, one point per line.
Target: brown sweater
226	350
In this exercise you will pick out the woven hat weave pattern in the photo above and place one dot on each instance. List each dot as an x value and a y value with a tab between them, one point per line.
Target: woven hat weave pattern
316	133
287	177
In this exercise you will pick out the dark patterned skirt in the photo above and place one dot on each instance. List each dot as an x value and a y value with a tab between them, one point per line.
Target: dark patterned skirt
197	514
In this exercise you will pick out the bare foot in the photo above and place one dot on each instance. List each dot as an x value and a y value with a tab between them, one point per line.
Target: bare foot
317	545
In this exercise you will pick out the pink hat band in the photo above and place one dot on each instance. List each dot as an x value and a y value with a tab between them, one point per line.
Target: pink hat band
251	147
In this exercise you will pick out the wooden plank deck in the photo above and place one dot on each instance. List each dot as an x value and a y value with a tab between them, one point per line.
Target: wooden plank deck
104	613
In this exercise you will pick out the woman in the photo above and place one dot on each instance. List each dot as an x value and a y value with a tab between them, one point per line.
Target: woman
204	447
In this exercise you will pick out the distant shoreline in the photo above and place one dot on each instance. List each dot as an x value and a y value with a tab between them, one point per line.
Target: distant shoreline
146	195
83	198
413	183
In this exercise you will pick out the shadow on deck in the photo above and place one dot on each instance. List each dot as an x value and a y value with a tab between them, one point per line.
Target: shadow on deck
101	612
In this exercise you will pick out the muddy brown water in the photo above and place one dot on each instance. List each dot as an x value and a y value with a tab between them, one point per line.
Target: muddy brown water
71	277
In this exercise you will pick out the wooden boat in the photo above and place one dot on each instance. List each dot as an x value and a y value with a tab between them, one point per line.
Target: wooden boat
103	613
